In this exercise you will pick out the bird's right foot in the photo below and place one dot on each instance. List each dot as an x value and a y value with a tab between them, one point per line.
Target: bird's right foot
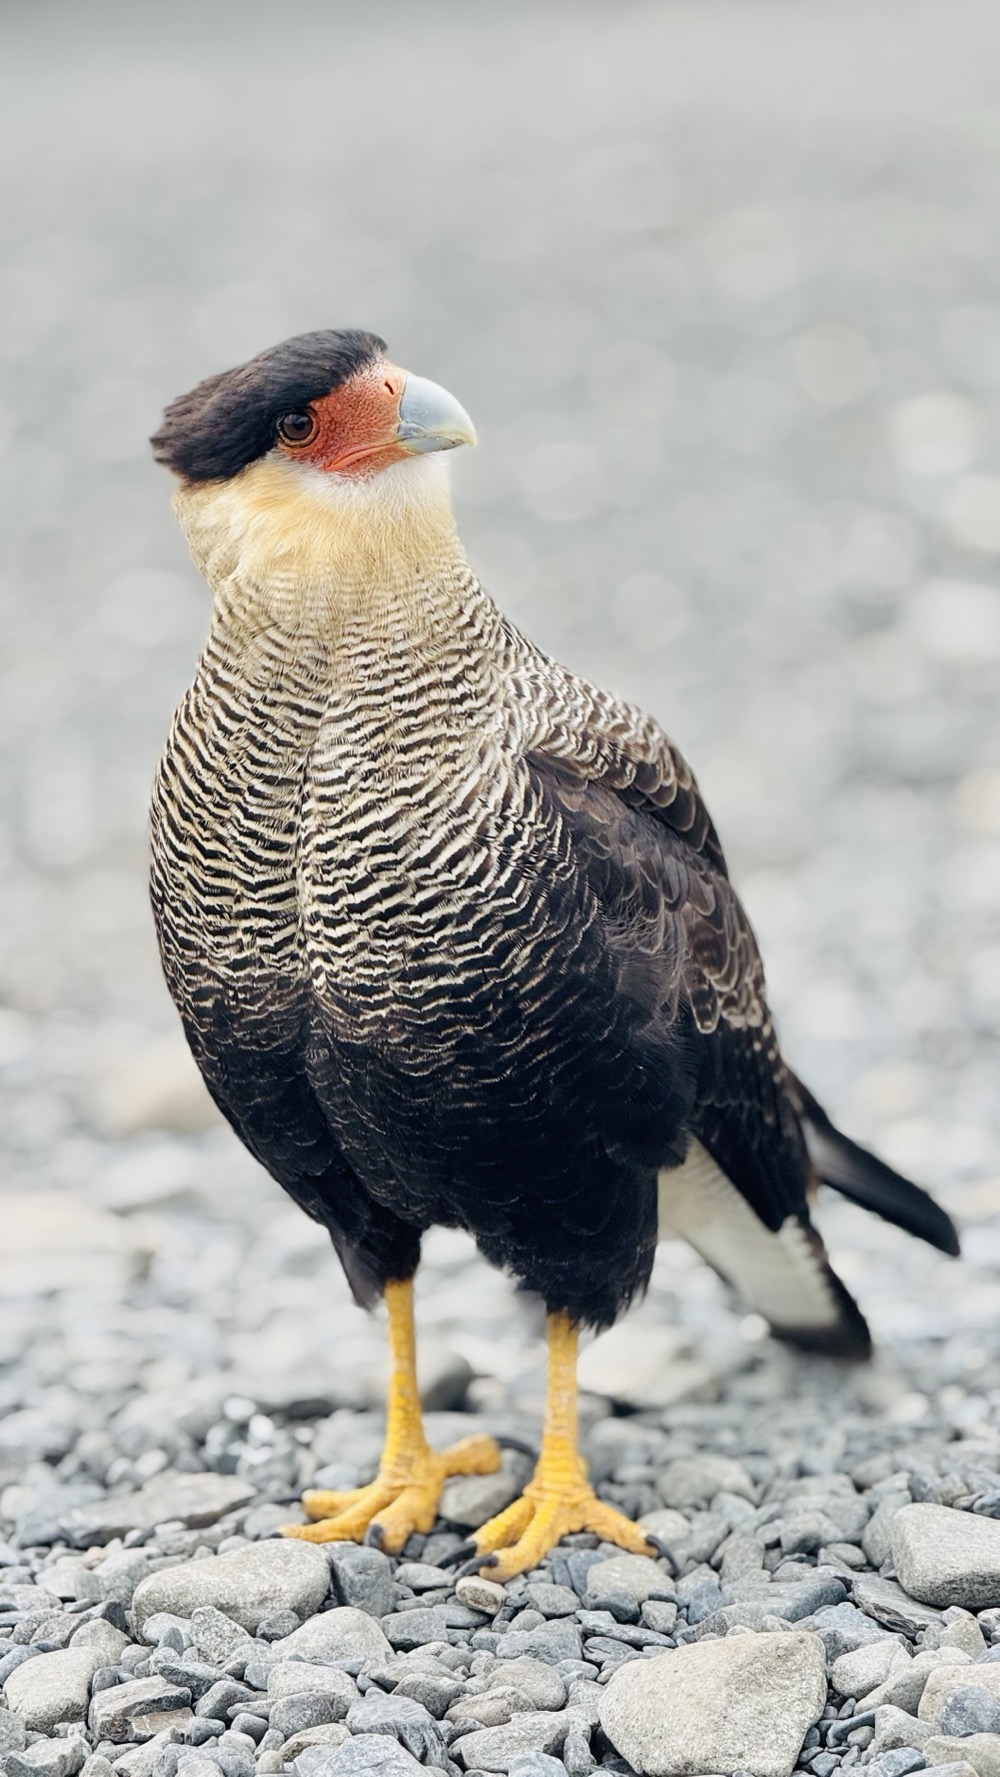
402	1498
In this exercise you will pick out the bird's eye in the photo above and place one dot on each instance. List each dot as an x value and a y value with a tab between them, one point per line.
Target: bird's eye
297	428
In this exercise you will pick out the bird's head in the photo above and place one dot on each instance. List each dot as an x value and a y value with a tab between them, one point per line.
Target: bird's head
319	456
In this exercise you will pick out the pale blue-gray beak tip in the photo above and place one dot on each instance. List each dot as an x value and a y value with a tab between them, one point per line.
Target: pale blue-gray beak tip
430	418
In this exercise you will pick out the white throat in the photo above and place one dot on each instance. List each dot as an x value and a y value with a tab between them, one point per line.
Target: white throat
310	550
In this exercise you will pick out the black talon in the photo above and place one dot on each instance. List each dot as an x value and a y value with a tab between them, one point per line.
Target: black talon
665	1553
455	1556
475	1566
374	1536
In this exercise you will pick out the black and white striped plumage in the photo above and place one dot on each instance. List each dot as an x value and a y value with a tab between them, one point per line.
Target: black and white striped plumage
449	928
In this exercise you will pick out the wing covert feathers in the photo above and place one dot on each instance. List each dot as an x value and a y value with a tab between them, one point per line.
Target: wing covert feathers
867	1180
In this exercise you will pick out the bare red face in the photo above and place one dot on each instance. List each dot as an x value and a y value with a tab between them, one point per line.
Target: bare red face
377	417
354	430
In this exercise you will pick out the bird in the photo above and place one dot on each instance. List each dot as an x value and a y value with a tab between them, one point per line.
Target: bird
451	933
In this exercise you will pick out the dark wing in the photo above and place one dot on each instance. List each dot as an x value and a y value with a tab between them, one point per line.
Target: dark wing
251	1050
648	848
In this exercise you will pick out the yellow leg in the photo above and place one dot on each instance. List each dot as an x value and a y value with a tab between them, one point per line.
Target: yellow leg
404	1494
558	1499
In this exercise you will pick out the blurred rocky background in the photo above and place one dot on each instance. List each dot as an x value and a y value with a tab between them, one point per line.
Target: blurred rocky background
719	285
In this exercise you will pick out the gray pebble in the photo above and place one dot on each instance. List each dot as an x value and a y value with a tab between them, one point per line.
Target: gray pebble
494	1748
249	1584
52	1688
419	1576
296	1677
183	1669
336	1636
214	1635
898	1763
889	1604
203	1729
255	1726
691	1479
47	1758
972	1709
554	1641
468	1500
536	1764
188	1499
410	1629
278	1625
946	1557
842	1628
234	1761
405	1719
824	1764
113	1711
550	1600
875	1540
699	1596
305	1709
312	1761
660	1615
483	1594
363	1577
221	1696
534	1680
374	1754
16	1657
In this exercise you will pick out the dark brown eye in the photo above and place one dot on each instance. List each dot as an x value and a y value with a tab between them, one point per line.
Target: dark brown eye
297	428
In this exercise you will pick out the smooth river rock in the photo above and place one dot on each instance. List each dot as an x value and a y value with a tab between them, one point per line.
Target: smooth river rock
246	1584
744	1703
343	1634
195	1500
53	1687
947	1557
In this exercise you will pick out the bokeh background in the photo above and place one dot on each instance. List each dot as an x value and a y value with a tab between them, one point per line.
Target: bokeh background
719	282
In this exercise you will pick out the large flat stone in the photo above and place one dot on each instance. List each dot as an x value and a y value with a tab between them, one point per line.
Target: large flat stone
113	1713
496	1749
53	1687
195	1500
743	1703
945	1557
338	1635
246	1584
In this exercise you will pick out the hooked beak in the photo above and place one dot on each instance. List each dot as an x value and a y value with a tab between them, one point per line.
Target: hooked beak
430	418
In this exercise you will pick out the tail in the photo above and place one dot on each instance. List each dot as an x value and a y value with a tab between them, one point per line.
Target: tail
857	1174
783	1273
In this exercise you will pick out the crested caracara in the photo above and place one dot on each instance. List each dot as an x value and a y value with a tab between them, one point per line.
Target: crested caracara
450	929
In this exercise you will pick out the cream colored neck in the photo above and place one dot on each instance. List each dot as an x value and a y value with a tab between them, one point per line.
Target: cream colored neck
312	555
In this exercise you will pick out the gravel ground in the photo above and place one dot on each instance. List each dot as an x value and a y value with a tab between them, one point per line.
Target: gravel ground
719	286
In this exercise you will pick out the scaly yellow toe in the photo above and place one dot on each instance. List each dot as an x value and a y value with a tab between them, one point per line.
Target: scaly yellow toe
402	1498
557	1502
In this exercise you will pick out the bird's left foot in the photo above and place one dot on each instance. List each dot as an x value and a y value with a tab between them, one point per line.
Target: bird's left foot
402	1498
557	1502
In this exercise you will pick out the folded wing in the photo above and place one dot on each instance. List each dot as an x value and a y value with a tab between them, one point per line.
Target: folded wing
759	1143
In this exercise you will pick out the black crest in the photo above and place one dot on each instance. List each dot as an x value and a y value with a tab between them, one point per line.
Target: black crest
229	420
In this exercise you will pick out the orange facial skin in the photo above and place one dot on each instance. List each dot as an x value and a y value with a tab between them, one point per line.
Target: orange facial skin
356	425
